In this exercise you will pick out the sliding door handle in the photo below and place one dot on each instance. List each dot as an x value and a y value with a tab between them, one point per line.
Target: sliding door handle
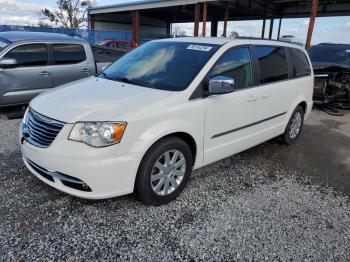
45	73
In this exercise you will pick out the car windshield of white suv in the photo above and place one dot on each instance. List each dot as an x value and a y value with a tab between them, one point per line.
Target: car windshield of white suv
161	65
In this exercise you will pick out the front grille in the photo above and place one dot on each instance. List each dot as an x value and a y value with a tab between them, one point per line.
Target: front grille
40	130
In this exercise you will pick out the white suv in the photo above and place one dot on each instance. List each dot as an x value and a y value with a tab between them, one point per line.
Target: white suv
162	110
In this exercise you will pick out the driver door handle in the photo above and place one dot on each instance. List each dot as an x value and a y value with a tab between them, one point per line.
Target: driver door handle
45	73
252	98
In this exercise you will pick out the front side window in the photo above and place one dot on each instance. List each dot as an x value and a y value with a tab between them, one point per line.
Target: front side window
28	55
235	64
300	64
163	65
272	63
68	54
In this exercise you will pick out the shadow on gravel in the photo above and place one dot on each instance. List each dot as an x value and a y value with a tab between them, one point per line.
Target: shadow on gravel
256	205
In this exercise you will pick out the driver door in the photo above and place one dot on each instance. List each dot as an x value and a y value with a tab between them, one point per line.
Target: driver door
27	76
229	117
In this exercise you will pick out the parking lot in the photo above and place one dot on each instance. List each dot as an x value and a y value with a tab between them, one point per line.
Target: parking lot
271	202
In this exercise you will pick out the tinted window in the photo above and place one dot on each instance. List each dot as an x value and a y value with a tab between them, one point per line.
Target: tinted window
161	65
68	53
300	64
29	55
236	64
272	63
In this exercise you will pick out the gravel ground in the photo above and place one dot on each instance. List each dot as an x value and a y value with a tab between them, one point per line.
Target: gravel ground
240	208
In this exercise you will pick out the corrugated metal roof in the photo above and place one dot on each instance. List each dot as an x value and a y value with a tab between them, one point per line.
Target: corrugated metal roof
142	4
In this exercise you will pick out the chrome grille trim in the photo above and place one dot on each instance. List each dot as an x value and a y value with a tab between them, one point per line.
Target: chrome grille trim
69	181
40	130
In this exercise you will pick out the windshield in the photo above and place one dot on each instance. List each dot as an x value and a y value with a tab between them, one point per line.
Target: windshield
2	45
161	65
331	54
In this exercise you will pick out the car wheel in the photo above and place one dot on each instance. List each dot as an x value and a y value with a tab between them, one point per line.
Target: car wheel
164	171
294	126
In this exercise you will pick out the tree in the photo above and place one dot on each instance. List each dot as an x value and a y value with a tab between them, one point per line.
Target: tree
179	32
234	34
69	13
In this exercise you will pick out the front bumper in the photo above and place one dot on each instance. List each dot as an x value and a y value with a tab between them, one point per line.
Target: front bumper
92	173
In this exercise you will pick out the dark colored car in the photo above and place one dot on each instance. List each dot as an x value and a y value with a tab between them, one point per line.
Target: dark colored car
331	63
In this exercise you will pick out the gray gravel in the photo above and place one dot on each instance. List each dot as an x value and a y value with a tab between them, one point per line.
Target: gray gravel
241	208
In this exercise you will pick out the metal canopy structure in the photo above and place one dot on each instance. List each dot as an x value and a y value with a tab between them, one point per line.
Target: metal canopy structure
181	11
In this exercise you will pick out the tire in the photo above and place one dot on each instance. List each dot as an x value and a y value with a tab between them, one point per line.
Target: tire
289	136
153	171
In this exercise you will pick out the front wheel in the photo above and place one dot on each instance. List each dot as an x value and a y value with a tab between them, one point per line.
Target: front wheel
294	126
164	171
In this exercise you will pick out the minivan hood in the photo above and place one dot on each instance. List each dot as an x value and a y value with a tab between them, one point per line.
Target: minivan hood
94	99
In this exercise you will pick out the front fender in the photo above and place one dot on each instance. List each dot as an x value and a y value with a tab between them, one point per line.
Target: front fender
165	128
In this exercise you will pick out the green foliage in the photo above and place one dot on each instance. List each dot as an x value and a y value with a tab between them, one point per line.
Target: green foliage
68	13
234	34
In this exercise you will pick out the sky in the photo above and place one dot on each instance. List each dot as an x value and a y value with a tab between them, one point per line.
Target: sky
332	29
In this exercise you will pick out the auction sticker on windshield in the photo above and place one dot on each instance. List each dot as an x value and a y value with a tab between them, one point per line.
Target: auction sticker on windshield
199	48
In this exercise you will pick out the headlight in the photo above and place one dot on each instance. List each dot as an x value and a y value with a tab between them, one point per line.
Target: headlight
98	134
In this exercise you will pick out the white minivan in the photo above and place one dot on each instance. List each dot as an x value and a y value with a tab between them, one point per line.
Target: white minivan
163	110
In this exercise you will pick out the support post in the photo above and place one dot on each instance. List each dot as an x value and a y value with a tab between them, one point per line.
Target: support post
92	22
168	29
271	28
279	29
197	13
263	29
214	28
314	9
224	34
205	13
136	26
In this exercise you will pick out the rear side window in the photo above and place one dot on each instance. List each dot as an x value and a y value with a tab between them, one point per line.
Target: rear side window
272	63
300	64
28	55
68	54
236	64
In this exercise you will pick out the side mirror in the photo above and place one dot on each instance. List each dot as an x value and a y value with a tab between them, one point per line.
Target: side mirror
221	85
8	62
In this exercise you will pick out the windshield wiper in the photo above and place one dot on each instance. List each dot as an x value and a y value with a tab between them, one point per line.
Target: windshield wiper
126	80
103	74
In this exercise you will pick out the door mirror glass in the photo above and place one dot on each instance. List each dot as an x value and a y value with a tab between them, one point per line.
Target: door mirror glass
8	62
221	85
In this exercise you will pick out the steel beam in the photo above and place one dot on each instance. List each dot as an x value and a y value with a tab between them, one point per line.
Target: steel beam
224	34
205	13
271	28
314	9
263	29
197	14
136	26
214	28
279	29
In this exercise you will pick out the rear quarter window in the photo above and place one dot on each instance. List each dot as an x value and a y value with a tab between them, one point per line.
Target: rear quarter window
272	63
68	54
300	64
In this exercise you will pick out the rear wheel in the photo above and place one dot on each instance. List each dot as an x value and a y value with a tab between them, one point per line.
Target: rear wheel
164	171
294	126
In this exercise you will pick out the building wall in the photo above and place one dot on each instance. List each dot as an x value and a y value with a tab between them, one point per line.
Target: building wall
113	26
123	22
